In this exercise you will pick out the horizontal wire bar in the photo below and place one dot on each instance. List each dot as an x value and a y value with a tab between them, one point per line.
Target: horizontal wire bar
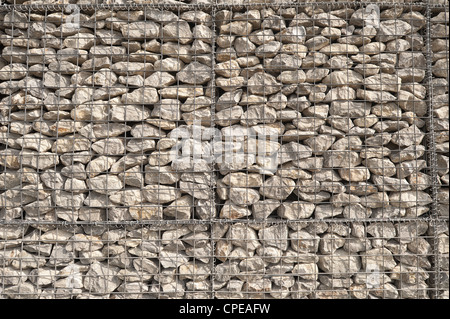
203	6
223	221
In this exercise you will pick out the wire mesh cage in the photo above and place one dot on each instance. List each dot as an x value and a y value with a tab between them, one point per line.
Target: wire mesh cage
224	149
439	65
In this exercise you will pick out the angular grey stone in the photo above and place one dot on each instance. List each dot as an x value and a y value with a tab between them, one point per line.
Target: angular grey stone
160	79
178	31
242	235
168	65
13	71
341	159
228	69
277	188
140	30
168	109
83	41
199	191
99	165
420	181
330	242
103	77
262	209
103	184
354	174
408	136
195	73
229	116
340	264
294	34
268	50
101	279
380	258
116	53
141	96
339	48
243	196
242	180
383	82
296	210
381	166
385	183
327	211
283	62
127	197
393	29
109	146
70	144
39	160
161	16
25	290
104	130
236	27
230	84
353	211
160	194
408	199
243	46
35	141
344	78
258	113
126	162
303	242
231	211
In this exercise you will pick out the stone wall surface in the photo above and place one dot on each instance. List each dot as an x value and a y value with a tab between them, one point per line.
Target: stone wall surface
216	151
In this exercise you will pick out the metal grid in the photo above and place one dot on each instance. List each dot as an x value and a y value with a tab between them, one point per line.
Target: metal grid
224	151
439	76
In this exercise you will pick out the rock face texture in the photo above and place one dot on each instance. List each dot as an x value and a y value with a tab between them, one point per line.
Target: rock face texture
224	152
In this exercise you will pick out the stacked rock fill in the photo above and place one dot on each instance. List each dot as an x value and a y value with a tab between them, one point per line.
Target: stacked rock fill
224	152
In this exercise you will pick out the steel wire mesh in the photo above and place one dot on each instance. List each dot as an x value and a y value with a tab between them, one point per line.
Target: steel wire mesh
224	150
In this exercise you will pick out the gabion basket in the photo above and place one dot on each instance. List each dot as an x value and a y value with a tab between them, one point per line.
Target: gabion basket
224	149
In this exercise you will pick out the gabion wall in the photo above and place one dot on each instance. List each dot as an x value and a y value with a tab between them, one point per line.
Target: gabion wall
218	150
